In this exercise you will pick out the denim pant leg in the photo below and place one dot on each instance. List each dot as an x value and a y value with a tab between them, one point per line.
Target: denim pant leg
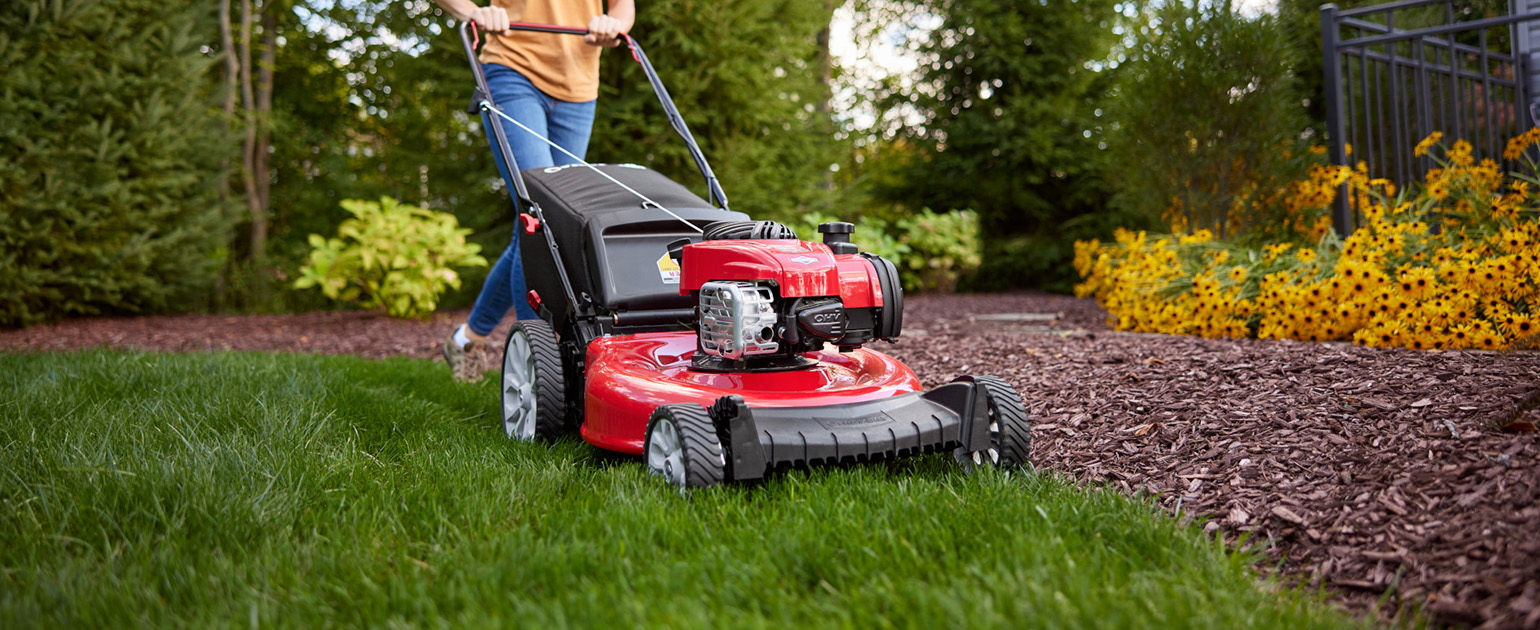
523	102
504	287
569	126
566	124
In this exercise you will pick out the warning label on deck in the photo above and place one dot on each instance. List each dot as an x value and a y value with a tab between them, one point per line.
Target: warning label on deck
668	269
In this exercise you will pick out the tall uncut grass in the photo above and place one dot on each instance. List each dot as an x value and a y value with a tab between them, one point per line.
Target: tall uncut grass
251	490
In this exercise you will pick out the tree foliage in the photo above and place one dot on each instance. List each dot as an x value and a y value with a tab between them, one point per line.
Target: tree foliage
1008	124
109	158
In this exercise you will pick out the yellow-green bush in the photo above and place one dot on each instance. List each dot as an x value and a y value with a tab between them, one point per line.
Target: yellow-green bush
1455	265
395	256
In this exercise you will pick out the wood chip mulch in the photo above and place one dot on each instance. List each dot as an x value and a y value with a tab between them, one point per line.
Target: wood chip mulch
1396	474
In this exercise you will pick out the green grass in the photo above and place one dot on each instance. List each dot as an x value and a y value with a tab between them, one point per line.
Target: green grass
242	490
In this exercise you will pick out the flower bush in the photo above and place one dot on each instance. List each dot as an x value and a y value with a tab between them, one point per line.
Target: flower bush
1454	265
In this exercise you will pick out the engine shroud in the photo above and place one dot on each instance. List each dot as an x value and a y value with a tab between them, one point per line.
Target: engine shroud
765	303
737	320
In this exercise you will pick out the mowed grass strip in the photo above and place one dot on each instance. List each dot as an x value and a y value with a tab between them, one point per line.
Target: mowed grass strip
251	490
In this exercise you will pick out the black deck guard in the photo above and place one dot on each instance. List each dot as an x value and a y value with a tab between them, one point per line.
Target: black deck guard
768	438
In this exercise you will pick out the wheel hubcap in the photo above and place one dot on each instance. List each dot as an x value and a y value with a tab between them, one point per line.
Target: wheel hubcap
519	388
665	452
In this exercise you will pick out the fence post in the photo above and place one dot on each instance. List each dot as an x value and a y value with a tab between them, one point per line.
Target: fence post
1336	145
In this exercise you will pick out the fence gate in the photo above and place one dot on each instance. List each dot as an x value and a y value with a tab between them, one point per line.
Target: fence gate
1396	72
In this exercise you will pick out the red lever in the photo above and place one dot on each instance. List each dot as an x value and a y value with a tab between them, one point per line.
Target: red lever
529	223
534	300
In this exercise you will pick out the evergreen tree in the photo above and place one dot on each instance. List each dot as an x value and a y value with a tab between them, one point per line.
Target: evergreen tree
1008	94
110	156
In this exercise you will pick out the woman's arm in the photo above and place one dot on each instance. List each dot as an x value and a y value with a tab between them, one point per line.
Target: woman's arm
605	30
493	19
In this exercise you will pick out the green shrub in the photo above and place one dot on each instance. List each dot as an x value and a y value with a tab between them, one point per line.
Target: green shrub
109	159
397	256
942	248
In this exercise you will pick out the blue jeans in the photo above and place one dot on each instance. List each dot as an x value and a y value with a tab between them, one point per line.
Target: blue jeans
568	125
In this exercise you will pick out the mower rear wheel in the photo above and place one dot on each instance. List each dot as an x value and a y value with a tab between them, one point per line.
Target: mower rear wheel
682	446
1010	431
534	400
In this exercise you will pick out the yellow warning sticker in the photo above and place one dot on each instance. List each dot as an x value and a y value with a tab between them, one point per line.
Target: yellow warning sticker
668	269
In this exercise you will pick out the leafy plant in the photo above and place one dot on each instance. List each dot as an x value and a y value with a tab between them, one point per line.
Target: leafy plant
397	256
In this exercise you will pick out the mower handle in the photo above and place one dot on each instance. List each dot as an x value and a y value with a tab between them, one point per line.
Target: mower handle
470	37
537	28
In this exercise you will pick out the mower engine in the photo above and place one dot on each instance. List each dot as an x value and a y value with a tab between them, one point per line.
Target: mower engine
765	298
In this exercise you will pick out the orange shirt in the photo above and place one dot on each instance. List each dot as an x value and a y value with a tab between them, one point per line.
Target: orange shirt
562	66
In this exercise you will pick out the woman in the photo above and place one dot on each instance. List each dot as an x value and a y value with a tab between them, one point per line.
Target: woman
549	83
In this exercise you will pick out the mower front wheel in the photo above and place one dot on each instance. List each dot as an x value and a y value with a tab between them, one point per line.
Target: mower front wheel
1010	431
682	446
534	400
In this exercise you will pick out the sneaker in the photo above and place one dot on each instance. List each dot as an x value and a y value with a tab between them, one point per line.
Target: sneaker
466	364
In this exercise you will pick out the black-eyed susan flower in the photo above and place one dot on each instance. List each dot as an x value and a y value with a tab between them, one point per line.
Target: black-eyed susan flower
1427	143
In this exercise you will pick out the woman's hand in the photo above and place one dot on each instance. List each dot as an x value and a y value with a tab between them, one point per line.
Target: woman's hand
605	31
491	19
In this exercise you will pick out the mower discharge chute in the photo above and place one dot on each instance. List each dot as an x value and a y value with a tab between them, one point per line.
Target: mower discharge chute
718	347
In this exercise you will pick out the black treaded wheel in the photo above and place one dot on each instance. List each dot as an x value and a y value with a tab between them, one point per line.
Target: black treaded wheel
533	391
682	446
1010	431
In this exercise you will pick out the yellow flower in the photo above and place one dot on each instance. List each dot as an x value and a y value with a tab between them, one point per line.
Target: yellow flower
1460	153
1427	143
1488	340
1438	190
1462	336
1523	141
1523	326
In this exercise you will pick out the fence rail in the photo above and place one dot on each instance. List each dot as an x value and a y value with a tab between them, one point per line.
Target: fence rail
1387	88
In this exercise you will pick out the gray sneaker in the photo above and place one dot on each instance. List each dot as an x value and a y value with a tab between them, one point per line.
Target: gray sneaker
466	364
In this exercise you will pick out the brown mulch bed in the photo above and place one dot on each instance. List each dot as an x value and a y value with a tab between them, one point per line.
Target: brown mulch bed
1365	471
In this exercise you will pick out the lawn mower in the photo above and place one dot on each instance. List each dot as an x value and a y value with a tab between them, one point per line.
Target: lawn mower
717	347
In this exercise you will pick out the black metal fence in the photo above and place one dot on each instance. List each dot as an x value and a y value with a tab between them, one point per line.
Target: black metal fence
1388	87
